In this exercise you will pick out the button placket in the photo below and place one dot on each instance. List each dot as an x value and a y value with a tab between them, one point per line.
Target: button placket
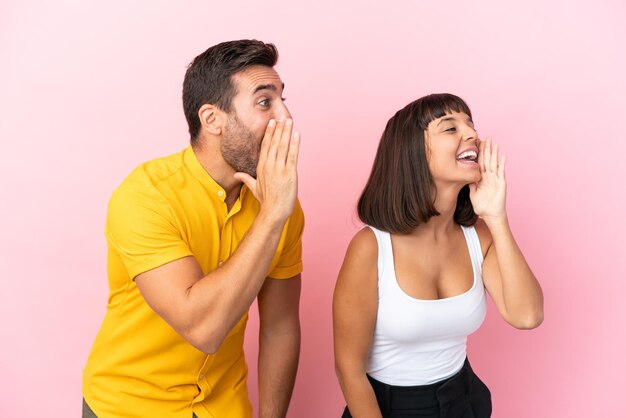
225	241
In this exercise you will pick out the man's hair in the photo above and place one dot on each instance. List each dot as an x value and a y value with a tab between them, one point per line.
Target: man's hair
399	193
208	77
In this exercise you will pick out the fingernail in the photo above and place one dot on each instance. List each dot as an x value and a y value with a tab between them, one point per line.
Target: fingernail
272	123
289	122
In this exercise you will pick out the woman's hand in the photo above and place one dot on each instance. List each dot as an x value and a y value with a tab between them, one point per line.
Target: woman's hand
506	274
488	195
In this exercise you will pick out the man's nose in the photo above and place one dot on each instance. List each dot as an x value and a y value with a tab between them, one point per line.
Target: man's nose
282	112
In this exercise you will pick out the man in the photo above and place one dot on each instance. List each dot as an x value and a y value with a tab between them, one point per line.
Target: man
193	239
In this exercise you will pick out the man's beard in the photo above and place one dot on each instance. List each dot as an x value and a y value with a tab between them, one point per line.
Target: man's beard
239	147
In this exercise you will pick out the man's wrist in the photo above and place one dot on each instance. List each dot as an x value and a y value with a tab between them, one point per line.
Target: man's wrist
272	218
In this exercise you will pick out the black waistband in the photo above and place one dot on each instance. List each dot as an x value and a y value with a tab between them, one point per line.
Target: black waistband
423	396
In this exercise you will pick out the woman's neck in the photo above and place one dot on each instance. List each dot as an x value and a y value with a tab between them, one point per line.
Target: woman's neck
445	203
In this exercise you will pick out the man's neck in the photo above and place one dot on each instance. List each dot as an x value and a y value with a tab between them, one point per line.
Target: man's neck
211	160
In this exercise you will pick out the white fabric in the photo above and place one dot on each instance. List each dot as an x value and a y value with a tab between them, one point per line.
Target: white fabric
419	342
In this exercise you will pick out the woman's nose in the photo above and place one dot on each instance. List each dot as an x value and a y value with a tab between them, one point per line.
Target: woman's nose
470	134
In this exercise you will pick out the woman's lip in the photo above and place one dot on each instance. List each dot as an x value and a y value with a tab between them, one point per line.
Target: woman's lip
468	162
468	150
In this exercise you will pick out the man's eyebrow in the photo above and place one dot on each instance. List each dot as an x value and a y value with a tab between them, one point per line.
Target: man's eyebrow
267	87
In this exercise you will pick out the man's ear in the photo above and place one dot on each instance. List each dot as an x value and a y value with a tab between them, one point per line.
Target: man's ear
212	118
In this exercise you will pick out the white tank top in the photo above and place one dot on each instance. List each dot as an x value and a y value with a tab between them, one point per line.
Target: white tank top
419	342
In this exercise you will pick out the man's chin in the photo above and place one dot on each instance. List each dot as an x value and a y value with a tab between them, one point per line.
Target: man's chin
238	168
251	173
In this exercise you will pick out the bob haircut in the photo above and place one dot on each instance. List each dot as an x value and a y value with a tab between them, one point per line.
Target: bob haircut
399	193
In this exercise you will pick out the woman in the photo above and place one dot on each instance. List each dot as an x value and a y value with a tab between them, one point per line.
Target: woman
412	285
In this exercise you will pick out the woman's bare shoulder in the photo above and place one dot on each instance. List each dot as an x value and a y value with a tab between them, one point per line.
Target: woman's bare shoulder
364	240
361	255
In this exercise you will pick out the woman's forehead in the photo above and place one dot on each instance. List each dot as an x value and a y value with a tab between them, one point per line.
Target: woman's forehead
452	116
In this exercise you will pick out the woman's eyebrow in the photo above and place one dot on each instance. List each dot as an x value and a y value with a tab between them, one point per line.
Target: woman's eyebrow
453	119
449	118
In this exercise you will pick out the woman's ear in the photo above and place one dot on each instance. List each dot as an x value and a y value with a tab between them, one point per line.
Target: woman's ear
212	119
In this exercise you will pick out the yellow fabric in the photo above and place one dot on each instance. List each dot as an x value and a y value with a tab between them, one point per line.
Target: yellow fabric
139	366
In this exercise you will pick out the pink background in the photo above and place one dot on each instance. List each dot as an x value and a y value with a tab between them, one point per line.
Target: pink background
88	91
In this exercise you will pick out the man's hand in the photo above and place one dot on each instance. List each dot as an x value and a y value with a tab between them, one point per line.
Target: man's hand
276	185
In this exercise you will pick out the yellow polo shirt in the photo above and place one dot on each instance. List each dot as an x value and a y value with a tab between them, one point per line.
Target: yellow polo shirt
139	366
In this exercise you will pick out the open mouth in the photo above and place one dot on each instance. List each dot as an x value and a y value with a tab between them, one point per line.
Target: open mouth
467	156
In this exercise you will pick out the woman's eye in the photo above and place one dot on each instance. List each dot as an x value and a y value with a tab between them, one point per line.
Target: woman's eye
453	129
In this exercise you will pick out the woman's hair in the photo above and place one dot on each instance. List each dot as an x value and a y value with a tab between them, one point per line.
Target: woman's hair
399	193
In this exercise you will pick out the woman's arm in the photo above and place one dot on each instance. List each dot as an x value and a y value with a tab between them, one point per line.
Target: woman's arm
509	280
507	277
355	306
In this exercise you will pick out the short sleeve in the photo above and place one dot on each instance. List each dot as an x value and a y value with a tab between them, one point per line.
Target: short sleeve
290	261
141	227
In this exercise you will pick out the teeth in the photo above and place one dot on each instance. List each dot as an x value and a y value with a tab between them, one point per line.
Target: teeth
467	154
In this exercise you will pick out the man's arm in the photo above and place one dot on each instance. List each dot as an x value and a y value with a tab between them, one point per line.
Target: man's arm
204	308
279	344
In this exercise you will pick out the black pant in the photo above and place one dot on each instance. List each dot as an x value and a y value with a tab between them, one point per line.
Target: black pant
463	395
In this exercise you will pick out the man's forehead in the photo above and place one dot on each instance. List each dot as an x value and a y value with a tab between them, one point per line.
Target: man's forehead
257	78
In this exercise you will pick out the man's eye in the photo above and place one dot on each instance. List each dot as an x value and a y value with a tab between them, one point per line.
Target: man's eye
264	102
